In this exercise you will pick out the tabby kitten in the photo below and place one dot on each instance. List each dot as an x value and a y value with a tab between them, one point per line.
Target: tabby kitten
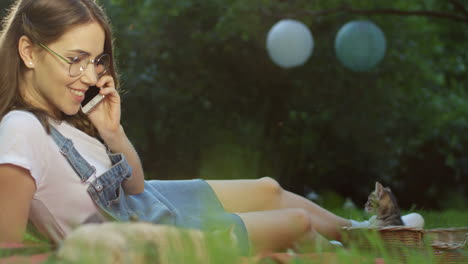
383	202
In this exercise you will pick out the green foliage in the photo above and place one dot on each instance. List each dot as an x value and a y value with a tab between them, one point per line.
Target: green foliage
199	85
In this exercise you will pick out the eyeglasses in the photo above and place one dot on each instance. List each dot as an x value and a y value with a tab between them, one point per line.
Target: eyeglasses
79	64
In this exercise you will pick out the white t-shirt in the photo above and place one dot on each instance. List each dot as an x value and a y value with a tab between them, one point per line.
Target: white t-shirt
60	201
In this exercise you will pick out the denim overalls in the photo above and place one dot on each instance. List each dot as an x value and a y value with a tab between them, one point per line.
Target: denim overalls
188	204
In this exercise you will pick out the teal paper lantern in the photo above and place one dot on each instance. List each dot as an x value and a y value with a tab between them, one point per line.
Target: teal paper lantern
360	45
289	43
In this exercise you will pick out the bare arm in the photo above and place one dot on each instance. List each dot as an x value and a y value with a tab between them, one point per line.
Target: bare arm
16	191
117	141
106	119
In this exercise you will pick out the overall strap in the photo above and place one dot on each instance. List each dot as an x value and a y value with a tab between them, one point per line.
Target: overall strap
79	164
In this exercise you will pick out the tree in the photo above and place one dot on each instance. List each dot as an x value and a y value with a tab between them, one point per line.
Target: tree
321	125
203	99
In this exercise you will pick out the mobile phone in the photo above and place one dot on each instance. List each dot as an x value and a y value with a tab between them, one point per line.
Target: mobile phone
92	99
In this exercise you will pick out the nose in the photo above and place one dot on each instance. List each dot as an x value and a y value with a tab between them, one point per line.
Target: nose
89	75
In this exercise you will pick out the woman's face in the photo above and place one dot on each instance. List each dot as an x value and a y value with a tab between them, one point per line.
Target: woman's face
52	87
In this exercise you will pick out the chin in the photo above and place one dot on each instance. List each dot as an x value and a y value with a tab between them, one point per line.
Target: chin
71	112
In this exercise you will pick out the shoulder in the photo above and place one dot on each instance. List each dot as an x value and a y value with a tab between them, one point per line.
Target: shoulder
21	122
20	116
24	142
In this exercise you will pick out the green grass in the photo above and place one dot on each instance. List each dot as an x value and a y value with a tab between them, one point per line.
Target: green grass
352	253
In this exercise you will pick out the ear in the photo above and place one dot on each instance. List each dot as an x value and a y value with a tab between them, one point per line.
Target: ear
379	189
378	186
26	51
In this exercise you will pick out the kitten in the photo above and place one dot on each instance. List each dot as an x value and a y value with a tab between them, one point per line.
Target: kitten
383	202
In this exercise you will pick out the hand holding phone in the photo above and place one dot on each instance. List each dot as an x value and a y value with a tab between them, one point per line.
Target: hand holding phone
92	99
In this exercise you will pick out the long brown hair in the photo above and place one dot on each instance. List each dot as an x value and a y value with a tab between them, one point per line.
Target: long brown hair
44	21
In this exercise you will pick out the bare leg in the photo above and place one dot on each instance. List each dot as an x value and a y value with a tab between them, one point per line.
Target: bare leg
271	231
266	194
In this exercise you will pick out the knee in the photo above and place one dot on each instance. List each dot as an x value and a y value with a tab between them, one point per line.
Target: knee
300	220
269	186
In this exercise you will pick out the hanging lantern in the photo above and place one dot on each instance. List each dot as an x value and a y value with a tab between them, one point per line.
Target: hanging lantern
360	45
289	43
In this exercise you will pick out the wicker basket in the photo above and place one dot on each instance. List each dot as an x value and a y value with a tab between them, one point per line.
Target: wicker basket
446	235
397	241
391	236
448	244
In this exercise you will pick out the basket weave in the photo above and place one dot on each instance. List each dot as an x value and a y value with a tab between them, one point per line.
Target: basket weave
392	236
397	240
446	235
448	244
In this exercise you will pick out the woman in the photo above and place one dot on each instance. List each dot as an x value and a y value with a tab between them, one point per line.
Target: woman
60	168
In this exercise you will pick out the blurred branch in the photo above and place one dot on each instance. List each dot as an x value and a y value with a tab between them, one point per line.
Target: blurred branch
460	6
381	11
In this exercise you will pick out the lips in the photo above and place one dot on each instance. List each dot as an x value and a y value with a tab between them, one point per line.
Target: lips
77	92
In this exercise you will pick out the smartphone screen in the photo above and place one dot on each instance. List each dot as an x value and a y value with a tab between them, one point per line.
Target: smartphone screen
90	94
92	99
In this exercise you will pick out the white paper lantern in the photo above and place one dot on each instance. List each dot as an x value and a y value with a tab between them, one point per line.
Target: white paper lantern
289	43
360	45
